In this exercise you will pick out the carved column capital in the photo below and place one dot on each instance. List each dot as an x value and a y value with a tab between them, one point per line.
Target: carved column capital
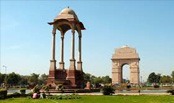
54	31
73	31
62	34
80	34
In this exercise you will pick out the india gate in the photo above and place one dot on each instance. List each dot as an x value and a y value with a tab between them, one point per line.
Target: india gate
122	56
72	77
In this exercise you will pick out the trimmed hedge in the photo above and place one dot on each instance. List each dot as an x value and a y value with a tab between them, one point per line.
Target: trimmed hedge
156	86
108	90
64	97
3	94
22	91
171	91
14	95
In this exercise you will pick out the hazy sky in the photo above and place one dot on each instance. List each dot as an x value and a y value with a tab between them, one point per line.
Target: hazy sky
148	26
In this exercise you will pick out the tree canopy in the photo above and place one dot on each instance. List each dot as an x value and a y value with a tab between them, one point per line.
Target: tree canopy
172	76
13	79
154	78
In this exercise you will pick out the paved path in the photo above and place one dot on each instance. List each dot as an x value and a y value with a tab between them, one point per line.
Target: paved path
114	94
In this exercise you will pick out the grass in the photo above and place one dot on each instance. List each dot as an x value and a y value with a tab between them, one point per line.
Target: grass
99	99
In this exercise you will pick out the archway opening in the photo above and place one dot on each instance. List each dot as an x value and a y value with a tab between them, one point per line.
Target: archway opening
125	73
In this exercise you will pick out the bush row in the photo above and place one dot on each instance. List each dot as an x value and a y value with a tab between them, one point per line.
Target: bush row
14	95
108	90
171	91
64	97
3	94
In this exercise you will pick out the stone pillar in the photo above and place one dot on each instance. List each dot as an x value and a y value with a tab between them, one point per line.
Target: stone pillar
119	73
79	63
72	69
53	44
116	73
53	61
52	70
134	75
72	60
61	63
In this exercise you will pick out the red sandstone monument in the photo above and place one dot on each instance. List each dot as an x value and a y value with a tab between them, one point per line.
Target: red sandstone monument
71	77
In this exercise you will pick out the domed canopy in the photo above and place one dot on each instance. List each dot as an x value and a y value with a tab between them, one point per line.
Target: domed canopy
66	18
125	52
68	14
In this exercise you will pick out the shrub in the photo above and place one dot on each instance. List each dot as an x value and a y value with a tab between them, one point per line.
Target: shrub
22	91
64	97
128	86
45	88
156	86
108	90
3	94
36	89
30	94
14	95
43	95
171	91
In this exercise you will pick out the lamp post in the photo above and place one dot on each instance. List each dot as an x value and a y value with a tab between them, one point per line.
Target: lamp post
141	80
5	68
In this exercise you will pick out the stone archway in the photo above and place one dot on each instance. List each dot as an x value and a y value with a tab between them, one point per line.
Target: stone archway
122	56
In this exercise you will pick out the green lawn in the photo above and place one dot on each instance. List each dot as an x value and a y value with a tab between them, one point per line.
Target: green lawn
98	99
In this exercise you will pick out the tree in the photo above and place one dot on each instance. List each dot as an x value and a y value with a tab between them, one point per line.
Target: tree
172	76
2	77
106	79
43	79
166	79
24	80
13	79
87	77
98	80
158	77
153	78
33	79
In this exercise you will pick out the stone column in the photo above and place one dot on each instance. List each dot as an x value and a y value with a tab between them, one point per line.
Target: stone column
53	44
52	70
72	60
116	72
134	75
120	78
61	63
71	72
53	61
79	63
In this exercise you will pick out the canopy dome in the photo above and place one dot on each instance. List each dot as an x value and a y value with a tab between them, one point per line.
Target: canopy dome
68	14
67	11
65	19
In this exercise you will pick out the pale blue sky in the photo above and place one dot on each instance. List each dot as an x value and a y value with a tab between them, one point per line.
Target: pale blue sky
147	26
